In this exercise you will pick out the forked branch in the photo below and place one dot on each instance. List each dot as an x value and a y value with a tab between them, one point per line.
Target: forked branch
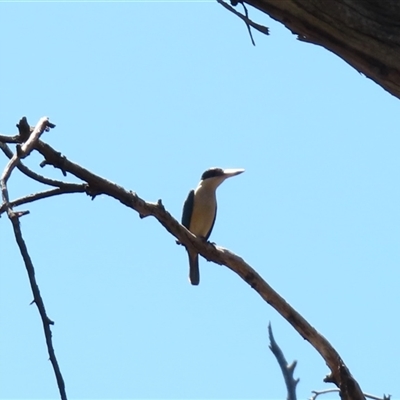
334	390
29	143
287	369
339	375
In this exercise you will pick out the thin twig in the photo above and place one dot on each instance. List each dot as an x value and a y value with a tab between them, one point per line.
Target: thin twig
46	321
335	390
32	174
317	393
24	151
246	14
68	188
287	370
261	28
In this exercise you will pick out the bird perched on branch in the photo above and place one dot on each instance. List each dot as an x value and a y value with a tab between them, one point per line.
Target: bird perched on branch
200	211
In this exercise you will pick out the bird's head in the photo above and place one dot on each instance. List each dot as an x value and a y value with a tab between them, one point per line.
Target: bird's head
215	176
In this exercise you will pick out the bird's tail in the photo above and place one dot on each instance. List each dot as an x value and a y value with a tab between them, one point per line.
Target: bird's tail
194	273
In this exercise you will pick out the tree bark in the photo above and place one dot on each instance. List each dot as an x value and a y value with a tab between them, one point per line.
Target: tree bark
364	33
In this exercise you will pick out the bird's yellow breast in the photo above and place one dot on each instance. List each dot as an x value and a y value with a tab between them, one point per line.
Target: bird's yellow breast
204	208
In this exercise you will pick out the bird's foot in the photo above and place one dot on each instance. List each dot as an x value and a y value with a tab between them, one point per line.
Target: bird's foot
212	244
207	241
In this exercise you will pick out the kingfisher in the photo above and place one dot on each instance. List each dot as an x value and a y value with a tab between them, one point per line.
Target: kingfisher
200	211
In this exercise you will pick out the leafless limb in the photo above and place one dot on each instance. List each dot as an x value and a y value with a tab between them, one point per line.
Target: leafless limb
333	390
340	374
67	188
37	299
249	23
23	151
287	370
10	139
28	172
317	393
371	396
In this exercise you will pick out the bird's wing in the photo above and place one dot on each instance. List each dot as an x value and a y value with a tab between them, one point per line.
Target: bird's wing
212	225
188	209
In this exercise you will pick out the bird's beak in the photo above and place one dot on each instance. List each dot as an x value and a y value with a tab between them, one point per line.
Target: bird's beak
232	172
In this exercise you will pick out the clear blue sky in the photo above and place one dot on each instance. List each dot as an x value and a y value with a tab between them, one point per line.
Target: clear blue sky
149	96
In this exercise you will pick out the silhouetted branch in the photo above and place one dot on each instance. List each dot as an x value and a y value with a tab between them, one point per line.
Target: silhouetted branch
23	151
37	299
287	370
339	372
28	172
67	188
333	390
340	375
246	19
28	146
365	34
10	139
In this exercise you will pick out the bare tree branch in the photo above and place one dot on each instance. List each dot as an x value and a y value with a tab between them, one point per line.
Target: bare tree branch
24	151
67	188
287	370
340	374
246	19
10	139
32	174
37	299
335	390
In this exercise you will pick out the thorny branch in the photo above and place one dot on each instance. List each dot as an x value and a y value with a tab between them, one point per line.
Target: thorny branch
95	185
